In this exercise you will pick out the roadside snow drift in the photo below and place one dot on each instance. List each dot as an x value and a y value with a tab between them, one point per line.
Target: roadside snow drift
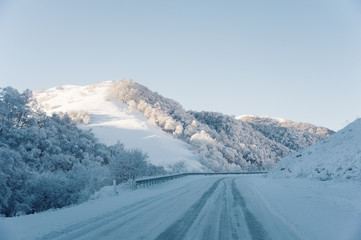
337	157
113	121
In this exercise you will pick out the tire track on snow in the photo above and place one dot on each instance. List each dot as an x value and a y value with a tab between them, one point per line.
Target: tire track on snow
255	228
179	229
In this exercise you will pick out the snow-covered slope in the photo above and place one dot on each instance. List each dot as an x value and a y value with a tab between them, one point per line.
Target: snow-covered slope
337	157
222	142
113	121
138	117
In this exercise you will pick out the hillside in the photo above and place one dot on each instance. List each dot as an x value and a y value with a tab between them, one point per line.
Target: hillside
114	121
337	157
190	140
222	142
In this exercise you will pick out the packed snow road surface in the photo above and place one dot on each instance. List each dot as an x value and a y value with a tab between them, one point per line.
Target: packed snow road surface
220	213
210	208
203	207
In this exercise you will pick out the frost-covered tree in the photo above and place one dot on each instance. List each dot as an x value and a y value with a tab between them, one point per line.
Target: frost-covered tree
127	165
79	116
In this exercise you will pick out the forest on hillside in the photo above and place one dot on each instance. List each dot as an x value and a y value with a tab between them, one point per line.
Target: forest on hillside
222	142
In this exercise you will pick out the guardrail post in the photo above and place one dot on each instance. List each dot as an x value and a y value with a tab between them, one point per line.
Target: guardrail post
115	187
133	185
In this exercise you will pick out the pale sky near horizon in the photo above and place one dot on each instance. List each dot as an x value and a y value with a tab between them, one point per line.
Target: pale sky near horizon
298	60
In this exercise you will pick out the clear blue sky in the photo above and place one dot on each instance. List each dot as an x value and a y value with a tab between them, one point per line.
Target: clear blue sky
300	60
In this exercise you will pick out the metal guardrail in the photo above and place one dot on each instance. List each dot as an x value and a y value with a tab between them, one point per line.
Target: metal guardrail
155	180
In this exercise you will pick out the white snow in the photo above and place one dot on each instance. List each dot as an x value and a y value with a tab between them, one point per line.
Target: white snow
202	136
245	116
312	209
284	209
337	157
112	121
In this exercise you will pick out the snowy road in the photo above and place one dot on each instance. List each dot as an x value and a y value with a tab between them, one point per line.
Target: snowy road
220	213
209	208
205	207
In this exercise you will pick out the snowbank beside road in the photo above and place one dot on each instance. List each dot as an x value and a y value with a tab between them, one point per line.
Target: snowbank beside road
336	157
313	209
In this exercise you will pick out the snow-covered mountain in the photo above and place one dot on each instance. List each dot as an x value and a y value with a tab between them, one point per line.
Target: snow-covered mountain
128	112
114	121
337	157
